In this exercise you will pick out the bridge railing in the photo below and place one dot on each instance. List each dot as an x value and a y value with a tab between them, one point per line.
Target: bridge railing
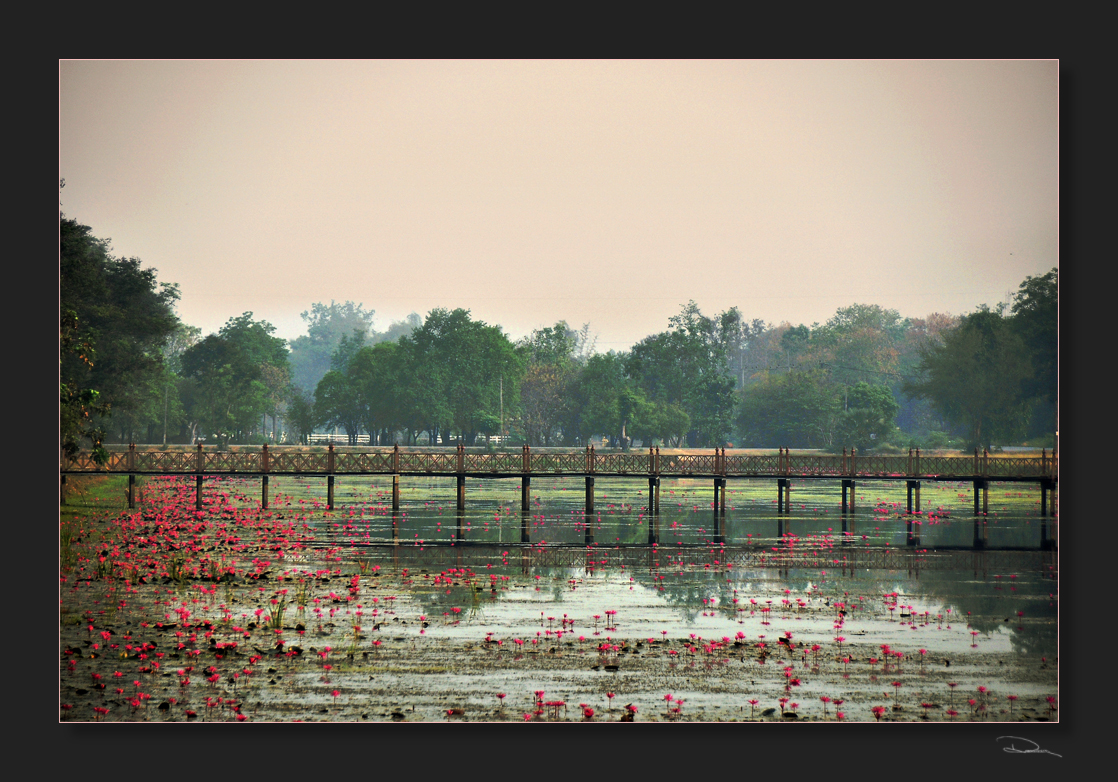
686	464
551	462
280	460
621	463
494	462
362	462
298	461
428	461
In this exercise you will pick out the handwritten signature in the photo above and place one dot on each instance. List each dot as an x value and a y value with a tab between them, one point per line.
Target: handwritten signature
1035	750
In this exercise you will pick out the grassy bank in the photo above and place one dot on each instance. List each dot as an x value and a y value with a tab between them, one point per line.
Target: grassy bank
91	495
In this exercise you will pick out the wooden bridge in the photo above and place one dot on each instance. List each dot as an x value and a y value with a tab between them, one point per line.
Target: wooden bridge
784	466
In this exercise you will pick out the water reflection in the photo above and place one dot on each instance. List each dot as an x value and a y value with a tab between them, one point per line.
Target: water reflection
687	513
752	566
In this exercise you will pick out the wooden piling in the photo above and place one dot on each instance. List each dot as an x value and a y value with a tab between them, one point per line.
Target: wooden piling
199	465
264	478
525	505
330	477
395	482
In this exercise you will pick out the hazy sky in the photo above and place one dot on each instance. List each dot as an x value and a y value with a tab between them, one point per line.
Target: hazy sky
608	192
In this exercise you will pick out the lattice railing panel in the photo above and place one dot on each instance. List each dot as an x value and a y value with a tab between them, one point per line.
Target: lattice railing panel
165	461
419	461
558	462
621	463
882	466
495	462
377	462
297	461
228	461
689	464
814	465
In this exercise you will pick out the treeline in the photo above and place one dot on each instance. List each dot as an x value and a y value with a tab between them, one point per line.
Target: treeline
867	378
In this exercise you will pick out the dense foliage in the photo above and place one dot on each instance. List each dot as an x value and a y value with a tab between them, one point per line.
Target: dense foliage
115	319
867	378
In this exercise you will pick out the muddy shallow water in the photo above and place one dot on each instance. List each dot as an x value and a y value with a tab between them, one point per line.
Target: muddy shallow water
413	632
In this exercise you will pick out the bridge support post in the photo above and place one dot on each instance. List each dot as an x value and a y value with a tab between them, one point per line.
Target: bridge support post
330	477
1046	543
131	491
588	511
720	513
981	485
589	495
980	535
199	465
395	483
913	490
848	485
264	481
783	495
525	507
62	489
460	510
653	519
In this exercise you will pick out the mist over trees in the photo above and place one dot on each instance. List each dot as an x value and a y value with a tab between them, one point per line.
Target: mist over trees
867	378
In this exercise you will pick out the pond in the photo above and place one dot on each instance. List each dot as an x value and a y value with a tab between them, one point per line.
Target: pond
472	626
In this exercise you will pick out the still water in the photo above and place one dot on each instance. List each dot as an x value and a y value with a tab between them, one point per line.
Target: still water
687	515
792	567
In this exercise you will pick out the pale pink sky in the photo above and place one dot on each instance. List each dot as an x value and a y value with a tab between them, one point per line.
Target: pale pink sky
608	192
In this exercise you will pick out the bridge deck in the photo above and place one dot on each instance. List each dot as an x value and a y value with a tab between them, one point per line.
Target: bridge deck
450	463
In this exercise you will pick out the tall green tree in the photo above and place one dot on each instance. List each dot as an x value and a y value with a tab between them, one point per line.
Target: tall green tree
338	403
455	370
869	416
1036	320
552	365
114	317
375	375
238	375
687	366
301	416
974	378
861	343
796	409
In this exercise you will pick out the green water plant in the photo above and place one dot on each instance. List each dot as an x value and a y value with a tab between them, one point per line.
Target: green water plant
276	608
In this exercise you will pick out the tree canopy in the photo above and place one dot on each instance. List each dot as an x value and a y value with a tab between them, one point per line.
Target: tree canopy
114	319
239	374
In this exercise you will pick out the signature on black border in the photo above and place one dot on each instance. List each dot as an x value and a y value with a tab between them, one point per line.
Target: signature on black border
1034	750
